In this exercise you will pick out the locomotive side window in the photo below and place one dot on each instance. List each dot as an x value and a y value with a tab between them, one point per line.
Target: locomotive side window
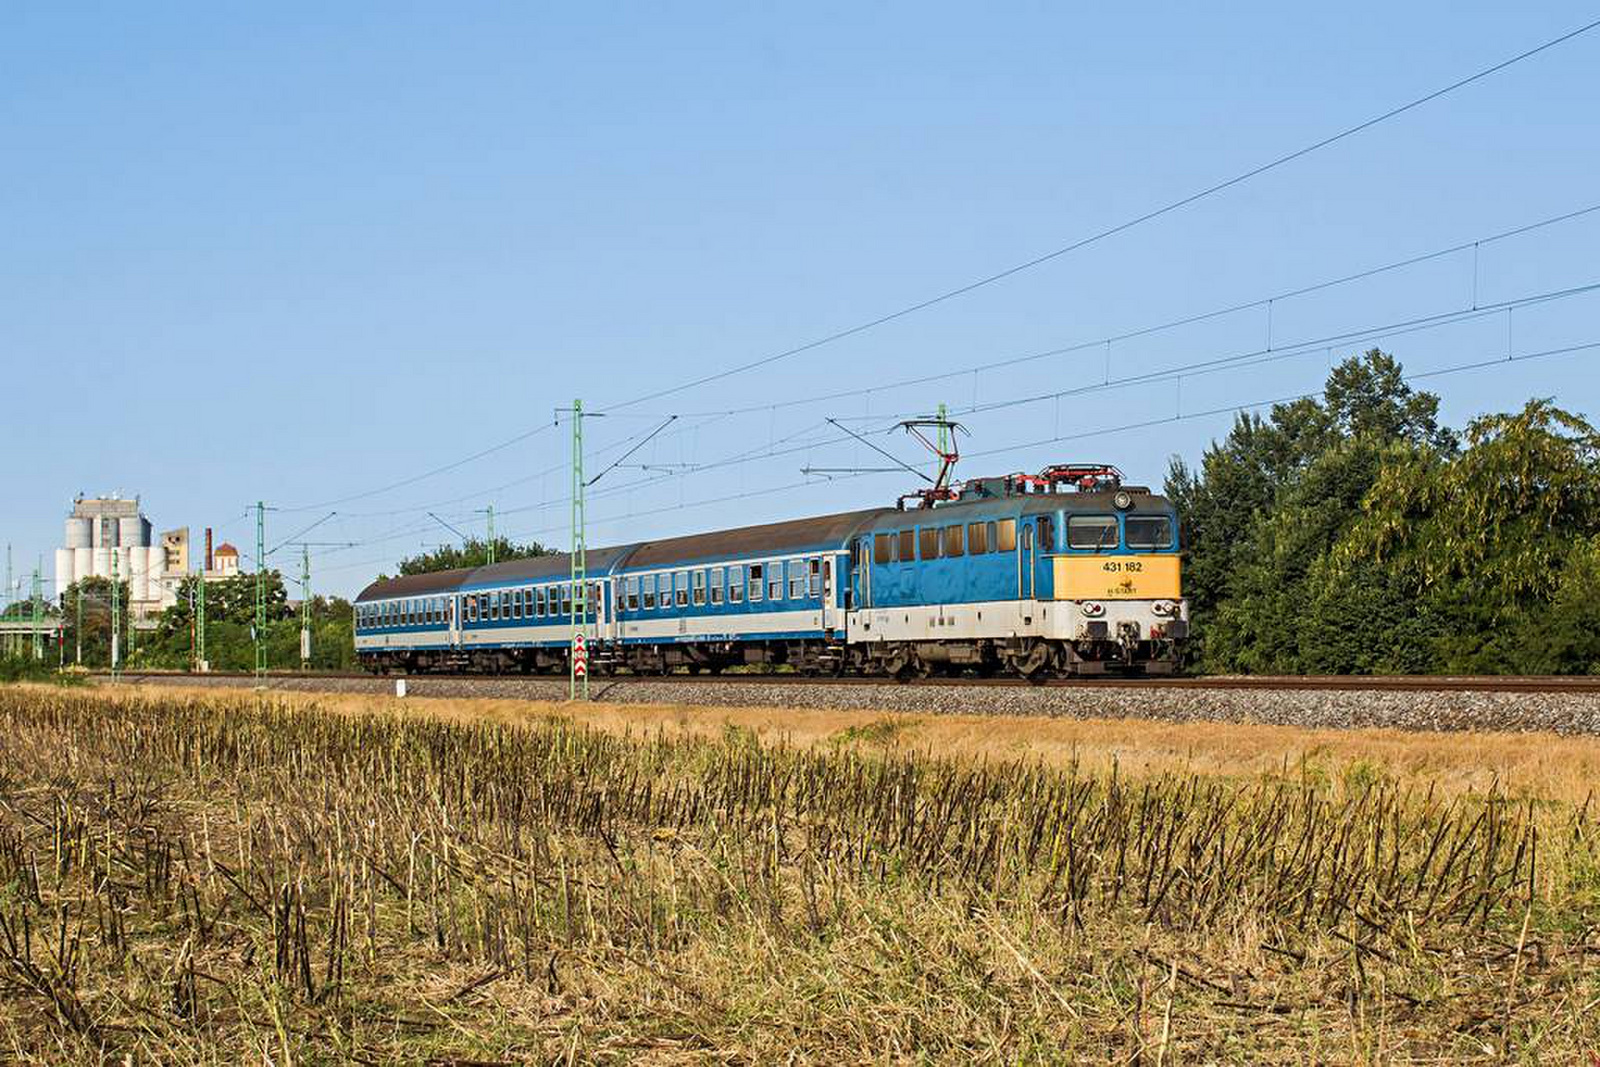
908	546
1006	536
930	542
883	548
1047	534
953	545
736	584
1149	531
1091	532
977	541
755	582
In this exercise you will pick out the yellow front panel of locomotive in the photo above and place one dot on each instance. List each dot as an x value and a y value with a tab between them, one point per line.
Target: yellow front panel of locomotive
1117	578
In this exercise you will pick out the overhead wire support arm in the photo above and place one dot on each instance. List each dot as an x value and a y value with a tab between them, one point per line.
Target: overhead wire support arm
903	465
670	419
295	538
447	526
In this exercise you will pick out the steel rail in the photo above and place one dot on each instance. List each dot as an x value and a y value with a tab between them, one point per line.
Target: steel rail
1354	683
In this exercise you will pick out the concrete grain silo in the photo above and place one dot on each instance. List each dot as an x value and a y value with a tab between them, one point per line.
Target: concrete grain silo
65	570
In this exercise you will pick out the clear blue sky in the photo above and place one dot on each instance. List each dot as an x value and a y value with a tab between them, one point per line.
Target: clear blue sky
298	253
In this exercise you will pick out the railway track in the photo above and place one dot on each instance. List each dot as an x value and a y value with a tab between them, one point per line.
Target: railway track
1364	683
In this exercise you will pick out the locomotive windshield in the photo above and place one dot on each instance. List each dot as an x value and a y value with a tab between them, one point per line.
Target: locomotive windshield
1149	531
1091	531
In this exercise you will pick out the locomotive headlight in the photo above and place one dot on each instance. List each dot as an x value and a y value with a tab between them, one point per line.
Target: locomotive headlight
1165	607
1091	609
1123	500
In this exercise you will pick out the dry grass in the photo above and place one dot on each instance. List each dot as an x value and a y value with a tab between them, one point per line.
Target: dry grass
238	877
1543	765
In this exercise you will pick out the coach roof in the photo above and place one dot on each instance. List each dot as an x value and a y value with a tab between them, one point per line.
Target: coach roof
795	535
430	584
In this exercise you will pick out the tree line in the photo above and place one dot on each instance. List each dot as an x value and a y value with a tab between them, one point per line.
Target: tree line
1354	533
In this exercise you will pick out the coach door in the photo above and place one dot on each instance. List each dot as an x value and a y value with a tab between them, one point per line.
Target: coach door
830	601
452	609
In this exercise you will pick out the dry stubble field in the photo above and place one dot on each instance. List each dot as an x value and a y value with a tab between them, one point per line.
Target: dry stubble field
229	877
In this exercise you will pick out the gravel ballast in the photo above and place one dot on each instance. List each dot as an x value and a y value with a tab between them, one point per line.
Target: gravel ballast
1458	710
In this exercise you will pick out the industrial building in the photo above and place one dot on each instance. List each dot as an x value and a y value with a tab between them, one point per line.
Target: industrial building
109	535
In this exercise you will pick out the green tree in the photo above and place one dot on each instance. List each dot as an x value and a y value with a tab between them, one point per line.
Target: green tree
1489	542
473	553
1274	496
96	635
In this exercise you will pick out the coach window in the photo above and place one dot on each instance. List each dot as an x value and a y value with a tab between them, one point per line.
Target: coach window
630	592
736	584
815	568
930	542
775	580
797	579
699	588
516	603
716	585
1091	532
755	582
1148	531
647	591
471	608
566	600
680	589
953	543
883	548
1006	536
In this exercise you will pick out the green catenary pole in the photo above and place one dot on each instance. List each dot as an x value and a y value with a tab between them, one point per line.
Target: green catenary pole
38	616
305	606
200	621
580	576
116	618
261	589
